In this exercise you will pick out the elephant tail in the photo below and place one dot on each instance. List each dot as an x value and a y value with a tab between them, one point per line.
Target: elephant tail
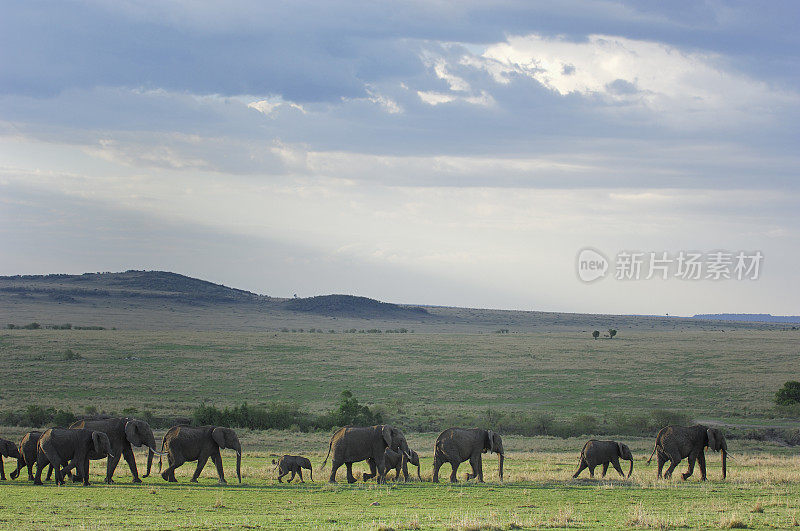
330	445
655	447
161	455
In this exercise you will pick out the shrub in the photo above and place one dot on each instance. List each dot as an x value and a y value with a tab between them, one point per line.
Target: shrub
69	355
789	394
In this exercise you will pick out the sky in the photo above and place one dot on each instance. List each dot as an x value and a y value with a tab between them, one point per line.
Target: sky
456	153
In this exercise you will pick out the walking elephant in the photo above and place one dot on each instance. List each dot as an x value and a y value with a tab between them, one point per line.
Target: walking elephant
7	449
352	444
123	433
456	445
294	464
190	443
28	448
71	449
395	461
602	453
675	443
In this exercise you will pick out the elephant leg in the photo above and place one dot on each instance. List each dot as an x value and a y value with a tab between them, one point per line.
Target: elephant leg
2	470
201	462
405	472
453	474
174	462
605	469
30	471
701	461
615	463
581	466
300	474
84	469
291	477
686	475
334	467
373	471
350	478
591	471
672	464
661	461
283	473
477	469
130	458
41	462
111	466
437	464
217	459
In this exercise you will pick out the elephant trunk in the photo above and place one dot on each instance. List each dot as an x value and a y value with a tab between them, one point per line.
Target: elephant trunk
418	474
501	457
630	471
724	464
238	462
150	455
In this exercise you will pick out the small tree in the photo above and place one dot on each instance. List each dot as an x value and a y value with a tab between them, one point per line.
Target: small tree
596	334
788	394
611	333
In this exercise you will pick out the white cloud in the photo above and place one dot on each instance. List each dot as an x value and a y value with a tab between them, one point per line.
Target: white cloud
640	73
268	106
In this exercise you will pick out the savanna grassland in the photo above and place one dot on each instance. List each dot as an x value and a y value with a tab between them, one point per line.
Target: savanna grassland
717	375
728	377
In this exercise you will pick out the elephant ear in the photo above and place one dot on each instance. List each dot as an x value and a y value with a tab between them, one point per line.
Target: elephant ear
621	449
218	434
714	439
132	433
386	433
490	437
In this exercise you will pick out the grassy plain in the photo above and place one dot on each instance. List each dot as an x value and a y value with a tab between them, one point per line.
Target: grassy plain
717	375
726	376
538	492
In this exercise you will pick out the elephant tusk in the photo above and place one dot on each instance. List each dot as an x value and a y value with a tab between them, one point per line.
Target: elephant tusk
156	452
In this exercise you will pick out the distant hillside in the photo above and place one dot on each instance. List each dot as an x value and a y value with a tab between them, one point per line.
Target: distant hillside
130	285
352	306
749	317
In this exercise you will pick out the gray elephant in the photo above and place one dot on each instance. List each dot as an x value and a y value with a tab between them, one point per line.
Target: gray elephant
456	445
596	453
123	433
28	448
294	464
70	449
352	444
7	449
675	443
190	443
395	461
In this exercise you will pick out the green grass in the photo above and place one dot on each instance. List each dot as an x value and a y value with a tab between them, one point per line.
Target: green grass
714	375
761	492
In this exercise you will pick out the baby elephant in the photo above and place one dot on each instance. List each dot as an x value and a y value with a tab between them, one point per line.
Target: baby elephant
602	453
294	464
394	461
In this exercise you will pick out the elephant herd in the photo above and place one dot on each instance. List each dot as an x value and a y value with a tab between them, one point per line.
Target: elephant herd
383	448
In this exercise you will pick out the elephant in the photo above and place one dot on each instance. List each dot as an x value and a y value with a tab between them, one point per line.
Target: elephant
7	449
675	443
71	448
294	464
602	453
199	443
456	445
28	447
352	444
395	461
123	433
